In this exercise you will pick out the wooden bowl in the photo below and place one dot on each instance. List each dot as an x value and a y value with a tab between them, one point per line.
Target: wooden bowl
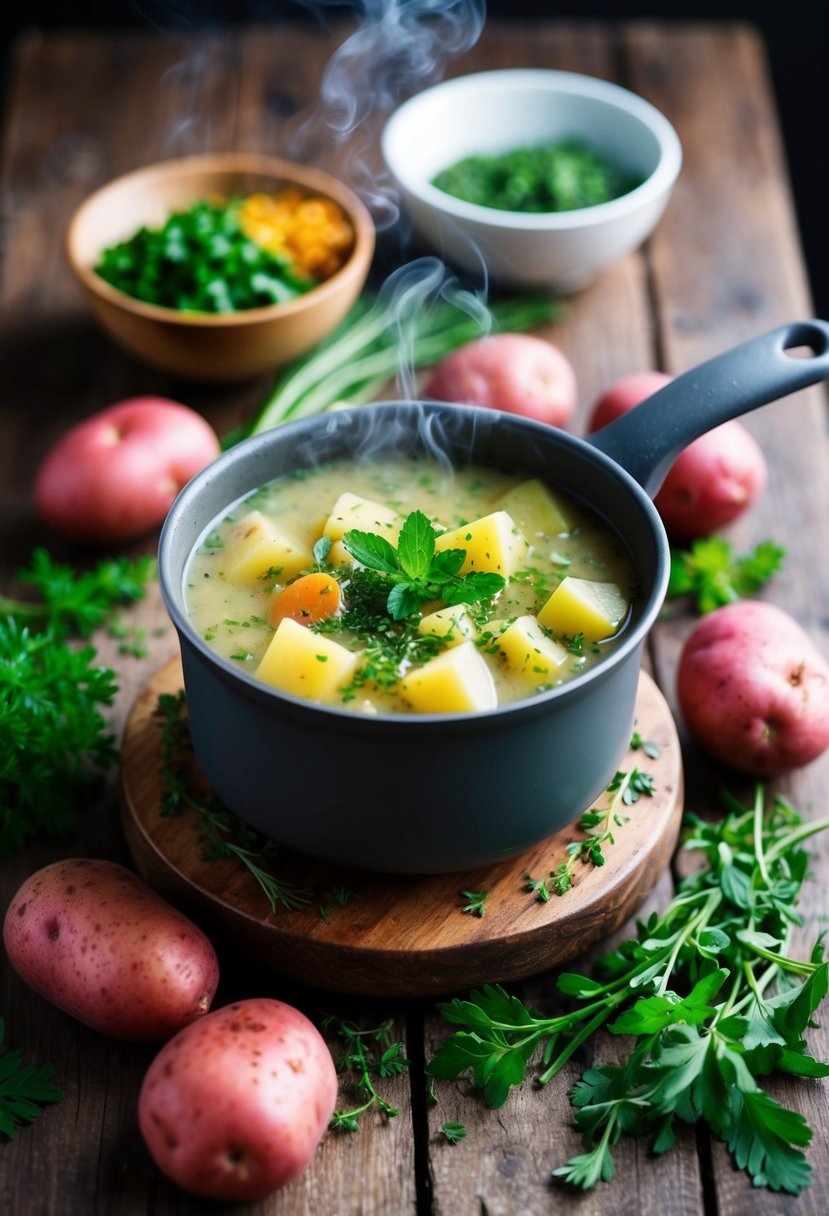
487	113
212	346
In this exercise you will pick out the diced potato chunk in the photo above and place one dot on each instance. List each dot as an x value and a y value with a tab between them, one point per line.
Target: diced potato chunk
305	663
258	547
339	556
453	625
526	649
536	510
579	605
493	543
352	511
456	681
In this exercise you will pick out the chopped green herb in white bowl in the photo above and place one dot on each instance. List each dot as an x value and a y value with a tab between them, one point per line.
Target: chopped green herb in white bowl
513	142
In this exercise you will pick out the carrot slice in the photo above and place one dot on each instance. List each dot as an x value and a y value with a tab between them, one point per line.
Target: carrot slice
311	598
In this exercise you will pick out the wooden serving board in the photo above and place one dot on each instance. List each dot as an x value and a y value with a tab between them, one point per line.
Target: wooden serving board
404	935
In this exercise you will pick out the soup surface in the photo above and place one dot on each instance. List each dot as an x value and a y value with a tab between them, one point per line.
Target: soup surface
406	587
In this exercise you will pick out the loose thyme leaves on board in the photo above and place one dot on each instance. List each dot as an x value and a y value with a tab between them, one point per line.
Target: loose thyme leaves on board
24	1088
337	897
222	833
626	788
709	995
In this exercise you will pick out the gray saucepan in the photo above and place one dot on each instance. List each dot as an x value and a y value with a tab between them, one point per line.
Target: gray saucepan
439	793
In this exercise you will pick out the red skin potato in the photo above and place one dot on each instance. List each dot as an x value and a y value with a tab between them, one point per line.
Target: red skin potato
517	373
91	937
113	477
711	482
754	690
235	1105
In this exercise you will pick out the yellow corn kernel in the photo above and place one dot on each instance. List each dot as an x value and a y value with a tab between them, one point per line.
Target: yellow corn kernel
314	233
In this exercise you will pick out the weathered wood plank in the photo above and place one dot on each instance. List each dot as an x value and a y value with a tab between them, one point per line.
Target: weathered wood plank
726	265
61	143
723	265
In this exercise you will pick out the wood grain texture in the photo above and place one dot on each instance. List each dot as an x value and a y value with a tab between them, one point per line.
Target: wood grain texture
724	264
403	936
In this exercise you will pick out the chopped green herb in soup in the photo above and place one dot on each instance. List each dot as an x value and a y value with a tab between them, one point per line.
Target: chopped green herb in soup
400	587
561	176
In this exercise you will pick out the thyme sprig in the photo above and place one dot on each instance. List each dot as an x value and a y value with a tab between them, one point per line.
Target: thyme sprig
222	833
475	902
24	1088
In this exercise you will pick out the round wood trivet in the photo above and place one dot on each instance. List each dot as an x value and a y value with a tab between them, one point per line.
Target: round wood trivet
402	935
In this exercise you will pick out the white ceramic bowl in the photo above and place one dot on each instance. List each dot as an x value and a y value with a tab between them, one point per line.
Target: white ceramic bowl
212	346
493	112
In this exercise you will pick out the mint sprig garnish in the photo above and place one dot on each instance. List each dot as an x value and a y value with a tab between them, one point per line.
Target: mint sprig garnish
416	573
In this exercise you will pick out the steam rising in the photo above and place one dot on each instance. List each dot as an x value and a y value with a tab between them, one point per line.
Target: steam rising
397	48
411	291
408	295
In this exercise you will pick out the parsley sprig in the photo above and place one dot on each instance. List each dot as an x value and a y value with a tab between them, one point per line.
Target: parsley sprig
708	991
366	1066
69	602
713	575
23	1089
625	789
56	743
415	573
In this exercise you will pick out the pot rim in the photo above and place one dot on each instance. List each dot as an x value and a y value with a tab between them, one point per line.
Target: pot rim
172	567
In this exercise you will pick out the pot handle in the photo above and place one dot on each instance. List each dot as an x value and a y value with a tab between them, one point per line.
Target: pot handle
647	439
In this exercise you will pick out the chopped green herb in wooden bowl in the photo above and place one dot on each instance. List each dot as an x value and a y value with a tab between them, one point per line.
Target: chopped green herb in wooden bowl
225	255
223	266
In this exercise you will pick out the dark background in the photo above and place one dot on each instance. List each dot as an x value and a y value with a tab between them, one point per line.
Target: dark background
796	35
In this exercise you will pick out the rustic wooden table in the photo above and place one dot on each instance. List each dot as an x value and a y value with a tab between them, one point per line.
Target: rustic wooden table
724	265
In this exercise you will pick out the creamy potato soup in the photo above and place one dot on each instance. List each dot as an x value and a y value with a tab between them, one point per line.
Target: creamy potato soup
402	587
